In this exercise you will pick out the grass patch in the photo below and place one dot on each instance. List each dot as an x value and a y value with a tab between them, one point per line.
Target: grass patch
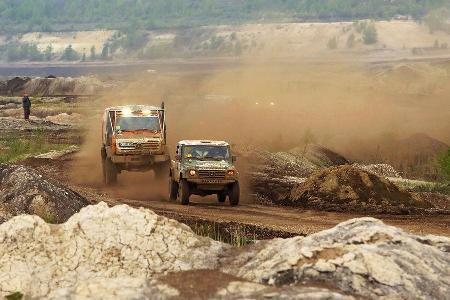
236	235
233	233
418	186
14	147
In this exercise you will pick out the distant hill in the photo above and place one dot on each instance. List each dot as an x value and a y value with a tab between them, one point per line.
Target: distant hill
76	15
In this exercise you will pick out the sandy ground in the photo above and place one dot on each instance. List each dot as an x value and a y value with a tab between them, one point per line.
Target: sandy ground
81	41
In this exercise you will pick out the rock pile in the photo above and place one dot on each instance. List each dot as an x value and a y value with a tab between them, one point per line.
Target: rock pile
25	191
124	253
362	257
345	188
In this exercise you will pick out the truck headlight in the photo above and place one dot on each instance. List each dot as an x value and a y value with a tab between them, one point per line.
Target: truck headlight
231	172
192	172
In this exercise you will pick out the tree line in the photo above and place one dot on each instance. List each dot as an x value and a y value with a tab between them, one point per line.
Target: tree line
62	15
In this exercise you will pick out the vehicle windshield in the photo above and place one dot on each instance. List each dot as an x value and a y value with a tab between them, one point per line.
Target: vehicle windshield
137	123
206	152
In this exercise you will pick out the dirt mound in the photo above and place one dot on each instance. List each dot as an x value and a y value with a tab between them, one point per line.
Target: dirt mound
24	191
73	119
273	175
345	188
51	86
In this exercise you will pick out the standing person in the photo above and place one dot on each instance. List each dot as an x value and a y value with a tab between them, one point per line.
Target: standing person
26	103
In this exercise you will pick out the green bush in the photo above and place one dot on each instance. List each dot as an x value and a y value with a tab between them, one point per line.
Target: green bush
48	53
370	34
70	54
444	165
351	41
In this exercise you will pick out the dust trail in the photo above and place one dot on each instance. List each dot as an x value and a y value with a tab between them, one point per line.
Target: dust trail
277	106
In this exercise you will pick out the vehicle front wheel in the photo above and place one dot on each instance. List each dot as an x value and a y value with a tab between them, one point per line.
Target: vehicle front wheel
234	194
222	196
173	189
184	192
109	172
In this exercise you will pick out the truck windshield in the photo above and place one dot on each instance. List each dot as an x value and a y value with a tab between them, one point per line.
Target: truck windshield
206	152
138	123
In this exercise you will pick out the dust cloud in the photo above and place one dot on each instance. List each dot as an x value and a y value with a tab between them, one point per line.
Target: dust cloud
278	106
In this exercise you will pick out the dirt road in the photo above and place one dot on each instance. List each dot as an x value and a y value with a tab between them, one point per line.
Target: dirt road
292	221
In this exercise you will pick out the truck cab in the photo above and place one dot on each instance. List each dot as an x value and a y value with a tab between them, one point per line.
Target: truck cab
204	167
134	139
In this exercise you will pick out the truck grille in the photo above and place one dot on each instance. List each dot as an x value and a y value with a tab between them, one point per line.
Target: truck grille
151	146
215	174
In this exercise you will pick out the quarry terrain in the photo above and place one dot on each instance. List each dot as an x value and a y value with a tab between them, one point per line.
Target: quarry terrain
397	39
341	195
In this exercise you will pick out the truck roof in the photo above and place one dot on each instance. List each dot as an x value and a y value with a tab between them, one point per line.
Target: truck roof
133	107
202	142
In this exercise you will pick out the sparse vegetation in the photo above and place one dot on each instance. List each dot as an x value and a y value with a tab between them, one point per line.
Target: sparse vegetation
370	34
105	52
14	147
351	41
444	165
25	51
70	54
93	55
437	20
237	236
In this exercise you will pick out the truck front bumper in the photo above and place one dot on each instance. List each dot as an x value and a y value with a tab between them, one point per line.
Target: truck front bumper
139	160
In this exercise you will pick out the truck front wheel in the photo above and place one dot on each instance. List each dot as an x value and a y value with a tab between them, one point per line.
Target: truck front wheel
184	192
173	189
234	194
109	172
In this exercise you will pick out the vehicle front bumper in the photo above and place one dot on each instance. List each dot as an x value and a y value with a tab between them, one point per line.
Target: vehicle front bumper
139	159
211	184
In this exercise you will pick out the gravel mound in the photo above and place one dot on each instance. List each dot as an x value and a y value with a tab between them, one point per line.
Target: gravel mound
127	253
25	191
383	170
345	188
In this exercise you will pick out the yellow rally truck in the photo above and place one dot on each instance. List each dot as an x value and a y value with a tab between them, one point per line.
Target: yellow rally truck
134	139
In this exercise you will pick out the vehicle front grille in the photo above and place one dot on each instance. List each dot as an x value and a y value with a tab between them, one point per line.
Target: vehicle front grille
214	174
151	146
